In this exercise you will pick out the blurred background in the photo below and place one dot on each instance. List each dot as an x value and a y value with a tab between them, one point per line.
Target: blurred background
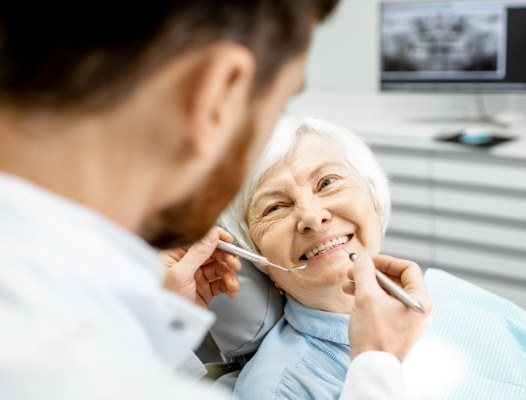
438	89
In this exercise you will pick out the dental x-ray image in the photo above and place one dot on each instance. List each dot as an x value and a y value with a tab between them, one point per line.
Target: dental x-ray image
435	41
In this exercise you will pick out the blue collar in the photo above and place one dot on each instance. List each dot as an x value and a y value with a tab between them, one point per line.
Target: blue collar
323	325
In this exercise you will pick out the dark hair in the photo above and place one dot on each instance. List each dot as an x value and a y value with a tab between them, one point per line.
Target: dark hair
92	52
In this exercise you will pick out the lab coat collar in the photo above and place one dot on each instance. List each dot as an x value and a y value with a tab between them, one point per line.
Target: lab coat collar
323	325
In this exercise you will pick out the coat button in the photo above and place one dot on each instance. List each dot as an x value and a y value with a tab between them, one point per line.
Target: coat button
177	324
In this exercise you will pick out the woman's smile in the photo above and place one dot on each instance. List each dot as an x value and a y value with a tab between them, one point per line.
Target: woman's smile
326	248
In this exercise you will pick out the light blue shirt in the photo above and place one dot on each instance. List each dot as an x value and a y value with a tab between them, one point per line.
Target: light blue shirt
475	348
305	356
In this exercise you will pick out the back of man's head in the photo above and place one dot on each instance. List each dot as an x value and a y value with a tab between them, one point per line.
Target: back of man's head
64	54
149	112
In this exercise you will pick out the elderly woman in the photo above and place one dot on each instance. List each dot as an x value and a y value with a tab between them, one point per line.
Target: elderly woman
317	195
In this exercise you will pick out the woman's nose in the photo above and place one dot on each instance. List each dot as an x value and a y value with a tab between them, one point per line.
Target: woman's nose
312	217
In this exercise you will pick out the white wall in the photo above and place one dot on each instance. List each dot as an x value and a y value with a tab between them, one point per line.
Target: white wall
344	52
344	58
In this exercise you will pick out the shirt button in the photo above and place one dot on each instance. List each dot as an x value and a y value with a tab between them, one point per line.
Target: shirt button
177	324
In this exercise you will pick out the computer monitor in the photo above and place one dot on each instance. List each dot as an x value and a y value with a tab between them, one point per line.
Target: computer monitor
466	46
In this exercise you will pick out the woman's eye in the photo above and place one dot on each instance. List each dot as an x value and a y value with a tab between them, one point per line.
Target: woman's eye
326	182
271	209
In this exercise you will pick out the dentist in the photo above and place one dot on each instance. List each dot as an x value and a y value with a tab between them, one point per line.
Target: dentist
127	125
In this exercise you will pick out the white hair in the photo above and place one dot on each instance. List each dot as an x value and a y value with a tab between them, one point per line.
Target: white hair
282	143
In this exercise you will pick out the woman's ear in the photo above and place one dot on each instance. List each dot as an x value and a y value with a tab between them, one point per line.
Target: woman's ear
218	96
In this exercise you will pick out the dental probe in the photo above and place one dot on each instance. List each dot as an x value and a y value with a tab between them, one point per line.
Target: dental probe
261	261
394	289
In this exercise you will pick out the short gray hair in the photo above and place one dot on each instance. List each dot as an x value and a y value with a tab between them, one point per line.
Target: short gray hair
281	144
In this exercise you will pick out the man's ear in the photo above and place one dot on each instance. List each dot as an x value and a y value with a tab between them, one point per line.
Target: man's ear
218	97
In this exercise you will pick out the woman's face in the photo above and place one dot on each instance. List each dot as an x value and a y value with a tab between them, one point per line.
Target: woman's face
307	209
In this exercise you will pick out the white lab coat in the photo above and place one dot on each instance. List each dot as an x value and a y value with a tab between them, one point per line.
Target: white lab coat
83	315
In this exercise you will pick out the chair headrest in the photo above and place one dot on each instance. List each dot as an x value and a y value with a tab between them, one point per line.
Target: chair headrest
242	323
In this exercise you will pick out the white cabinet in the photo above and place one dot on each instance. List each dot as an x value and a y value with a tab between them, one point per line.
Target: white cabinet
479	172
416	223
411	165
410	249
502	266
476	203
461	211
480	232
410	194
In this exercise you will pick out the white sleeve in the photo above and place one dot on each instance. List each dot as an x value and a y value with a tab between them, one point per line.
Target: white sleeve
374	375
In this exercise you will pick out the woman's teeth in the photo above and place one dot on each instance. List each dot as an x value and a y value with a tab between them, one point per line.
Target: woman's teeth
327	246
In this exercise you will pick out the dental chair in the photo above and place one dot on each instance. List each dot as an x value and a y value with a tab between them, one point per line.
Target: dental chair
242	324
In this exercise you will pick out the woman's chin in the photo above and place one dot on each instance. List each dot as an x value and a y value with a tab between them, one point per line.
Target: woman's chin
330	272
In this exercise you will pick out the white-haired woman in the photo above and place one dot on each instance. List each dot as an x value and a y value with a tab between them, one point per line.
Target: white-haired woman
317	195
